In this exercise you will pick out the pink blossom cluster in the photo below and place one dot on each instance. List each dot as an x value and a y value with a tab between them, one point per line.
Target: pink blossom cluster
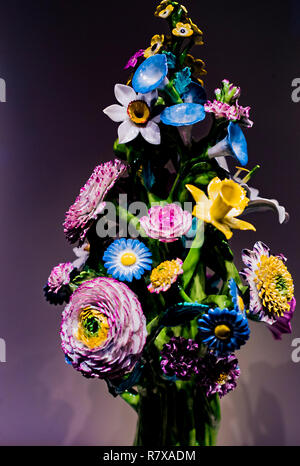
89	203
230	112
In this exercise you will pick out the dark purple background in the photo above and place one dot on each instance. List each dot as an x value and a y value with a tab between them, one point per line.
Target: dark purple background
60	60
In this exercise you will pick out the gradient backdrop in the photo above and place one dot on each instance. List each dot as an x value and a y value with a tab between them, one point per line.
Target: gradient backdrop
60	61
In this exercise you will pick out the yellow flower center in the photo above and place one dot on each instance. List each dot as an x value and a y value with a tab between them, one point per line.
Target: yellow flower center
128	258
275	285
231	196
92	327
138	112
222	332
222	379
164	274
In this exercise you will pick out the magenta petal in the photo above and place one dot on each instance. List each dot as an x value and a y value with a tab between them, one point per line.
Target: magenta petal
283	324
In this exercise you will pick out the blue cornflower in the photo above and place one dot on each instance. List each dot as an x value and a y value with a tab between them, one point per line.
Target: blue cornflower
223	330
126	259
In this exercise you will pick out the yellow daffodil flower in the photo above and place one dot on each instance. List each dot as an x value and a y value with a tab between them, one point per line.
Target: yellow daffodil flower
226	200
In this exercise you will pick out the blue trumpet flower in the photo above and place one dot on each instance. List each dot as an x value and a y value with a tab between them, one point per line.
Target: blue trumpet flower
195	93
150	74
233	145
185	114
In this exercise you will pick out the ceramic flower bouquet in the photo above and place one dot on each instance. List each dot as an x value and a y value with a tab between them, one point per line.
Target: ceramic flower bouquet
154	303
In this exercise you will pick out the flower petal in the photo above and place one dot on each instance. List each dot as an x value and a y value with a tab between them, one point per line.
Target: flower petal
116	113
198	194
127	131
149	97
151	133
238	224
124	94
183	114
150	74
214	188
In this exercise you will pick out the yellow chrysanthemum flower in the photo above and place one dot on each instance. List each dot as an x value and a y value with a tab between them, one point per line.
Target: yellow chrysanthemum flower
183	30
157	42
226	200
164	275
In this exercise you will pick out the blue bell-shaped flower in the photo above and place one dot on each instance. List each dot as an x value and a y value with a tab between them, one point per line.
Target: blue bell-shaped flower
150	74
233	145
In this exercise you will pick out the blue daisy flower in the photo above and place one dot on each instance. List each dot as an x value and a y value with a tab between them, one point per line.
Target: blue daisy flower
223	330
126	259
238	303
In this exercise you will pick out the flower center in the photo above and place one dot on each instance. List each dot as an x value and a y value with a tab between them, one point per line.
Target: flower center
128	258
92	327
231	196
138	112
222	379
274	284
222	332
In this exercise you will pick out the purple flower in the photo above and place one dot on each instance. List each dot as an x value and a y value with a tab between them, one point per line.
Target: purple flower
134	59
59	276
179	358
270	283
283	323
218	375
89	203
167	223
103	329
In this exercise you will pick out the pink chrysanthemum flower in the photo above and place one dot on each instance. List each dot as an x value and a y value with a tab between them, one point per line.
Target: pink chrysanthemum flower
59	276
89	203
230	112
167	223
103	329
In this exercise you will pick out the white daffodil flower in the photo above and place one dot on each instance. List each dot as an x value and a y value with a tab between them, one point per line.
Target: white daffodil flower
134	113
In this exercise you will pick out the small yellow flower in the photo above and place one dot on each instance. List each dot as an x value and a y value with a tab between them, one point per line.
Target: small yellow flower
162	6
157	42
226	200
166	12
183	30
197	67
164	275
198	34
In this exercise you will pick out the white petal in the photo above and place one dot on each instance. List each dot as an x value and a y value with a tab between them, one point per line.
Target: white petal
116	113
124	94
127	131
156	119
151	133
149	97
